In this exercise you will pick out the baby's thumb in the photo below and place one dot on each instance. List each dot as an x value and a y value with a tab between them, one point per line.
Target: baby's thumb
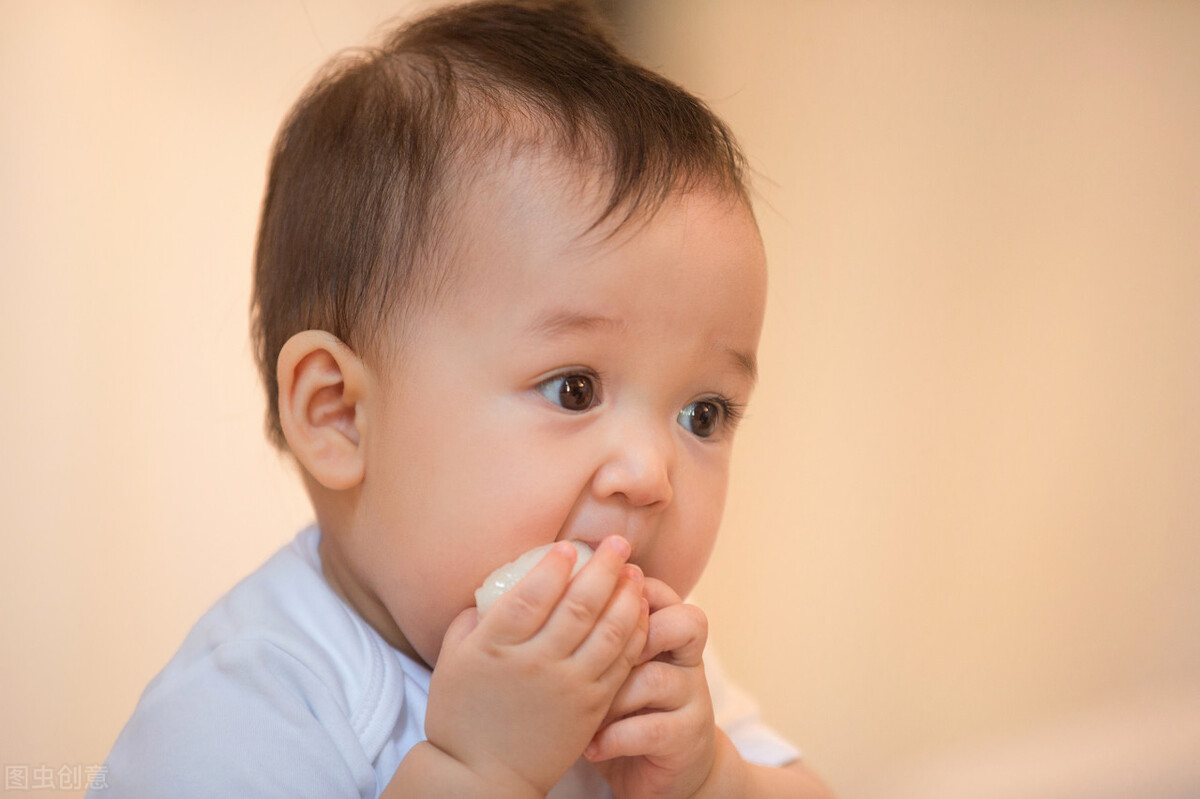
462	626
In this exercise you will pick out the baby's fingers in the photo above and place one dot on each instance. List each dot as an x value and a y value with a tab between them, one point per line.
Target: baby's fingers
660	595
520	613
462	626
677	635
589	597
619	635
645	735
653	686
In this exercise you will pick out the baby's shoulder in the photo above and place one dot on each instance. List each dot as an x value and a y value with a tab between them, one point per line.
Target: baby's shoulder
283	631
279	682
285	604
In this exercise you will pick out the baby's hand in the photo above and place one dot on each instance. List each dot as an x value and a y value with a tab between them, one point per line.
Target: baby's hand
659	737
516	695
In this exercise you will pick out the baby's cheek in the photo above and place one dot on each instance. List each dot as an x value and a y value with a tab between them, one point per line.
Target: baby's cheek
683	571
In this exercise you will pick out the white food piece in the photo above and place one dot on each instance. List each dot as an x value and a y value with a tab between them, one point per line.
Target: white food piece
507	575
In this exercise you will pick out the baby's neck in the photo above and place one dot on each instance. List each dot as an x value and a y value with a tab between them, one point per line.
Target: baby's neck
364	603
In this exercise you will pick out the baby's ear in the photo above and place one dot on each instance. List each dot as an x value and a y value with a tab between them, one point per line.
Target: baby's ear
321	388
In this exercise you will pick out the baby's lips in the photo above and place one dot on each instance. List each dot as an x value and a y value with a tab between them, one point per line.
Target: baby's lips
508	575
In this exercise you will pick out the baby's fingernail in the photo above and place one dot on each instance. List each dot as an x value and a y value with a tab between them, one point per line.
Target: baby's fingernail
591	750
618	545
634	574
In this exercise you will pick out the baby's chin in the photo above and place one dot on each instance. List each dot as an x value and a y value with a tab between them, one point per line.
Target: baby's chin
423	642
416	651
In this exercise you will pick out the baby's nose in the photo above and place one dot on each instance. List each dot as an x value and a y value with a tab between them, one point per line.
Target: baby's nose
638	467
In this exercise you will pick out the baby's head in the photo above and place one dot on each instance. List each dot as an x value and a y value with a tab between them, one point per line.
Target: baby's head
508	290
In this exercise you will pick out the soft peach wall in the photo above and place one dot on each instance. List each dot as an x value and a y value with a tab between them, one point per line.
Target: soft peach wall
965	505
135	480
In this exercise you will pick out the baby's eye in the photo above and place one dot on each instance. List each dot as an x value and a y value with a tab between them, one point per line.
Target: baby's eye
572	392
703	418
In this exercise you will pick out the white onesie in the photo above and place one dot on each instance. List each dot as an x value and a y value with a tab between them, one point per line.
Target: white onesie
282	690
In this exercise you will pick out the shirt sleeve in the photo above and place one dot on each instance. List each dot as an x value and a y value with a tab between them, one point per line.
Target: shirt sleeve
737	714
245	720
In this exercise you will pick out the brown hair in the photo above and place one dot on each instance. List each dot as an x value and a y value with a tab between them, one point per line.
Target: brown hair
354	208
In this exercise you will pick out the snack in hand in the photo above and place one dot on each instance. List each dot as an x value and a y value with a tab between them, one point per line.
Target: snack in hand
509	574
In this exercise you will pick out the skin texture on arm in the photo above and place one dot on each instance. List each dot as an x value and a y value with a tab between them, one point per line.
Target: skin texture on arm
427	766
429	773
732	776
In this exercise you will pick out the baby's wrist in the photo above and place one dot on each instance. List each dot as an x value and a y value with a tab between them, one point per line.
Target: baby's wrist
430	771
728	774
496	778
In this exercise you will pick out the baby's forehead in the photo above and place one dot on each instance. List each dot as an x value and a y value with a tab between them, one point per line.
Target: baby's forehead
533	202
553	212
528	275
521	180
544	193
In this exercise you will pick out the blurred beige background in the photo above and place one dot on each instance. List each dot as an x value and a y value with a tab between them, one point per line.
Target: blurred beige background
962	551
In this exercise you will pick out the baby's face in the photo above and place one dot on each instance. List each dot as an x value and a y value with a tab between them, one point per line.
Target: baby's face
565	386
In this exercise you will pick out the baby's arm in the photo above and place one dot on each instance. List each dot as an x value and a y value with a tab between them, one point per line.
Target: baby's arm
660	738
516	696
732	776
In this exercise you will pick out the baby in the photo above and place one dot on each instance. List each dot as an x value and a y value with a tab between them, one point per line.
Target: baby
508	292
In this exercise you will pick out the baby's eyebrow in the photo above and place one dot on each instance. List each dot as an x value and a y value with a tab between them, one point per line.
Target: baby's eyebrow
745	362
562	322
557	323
